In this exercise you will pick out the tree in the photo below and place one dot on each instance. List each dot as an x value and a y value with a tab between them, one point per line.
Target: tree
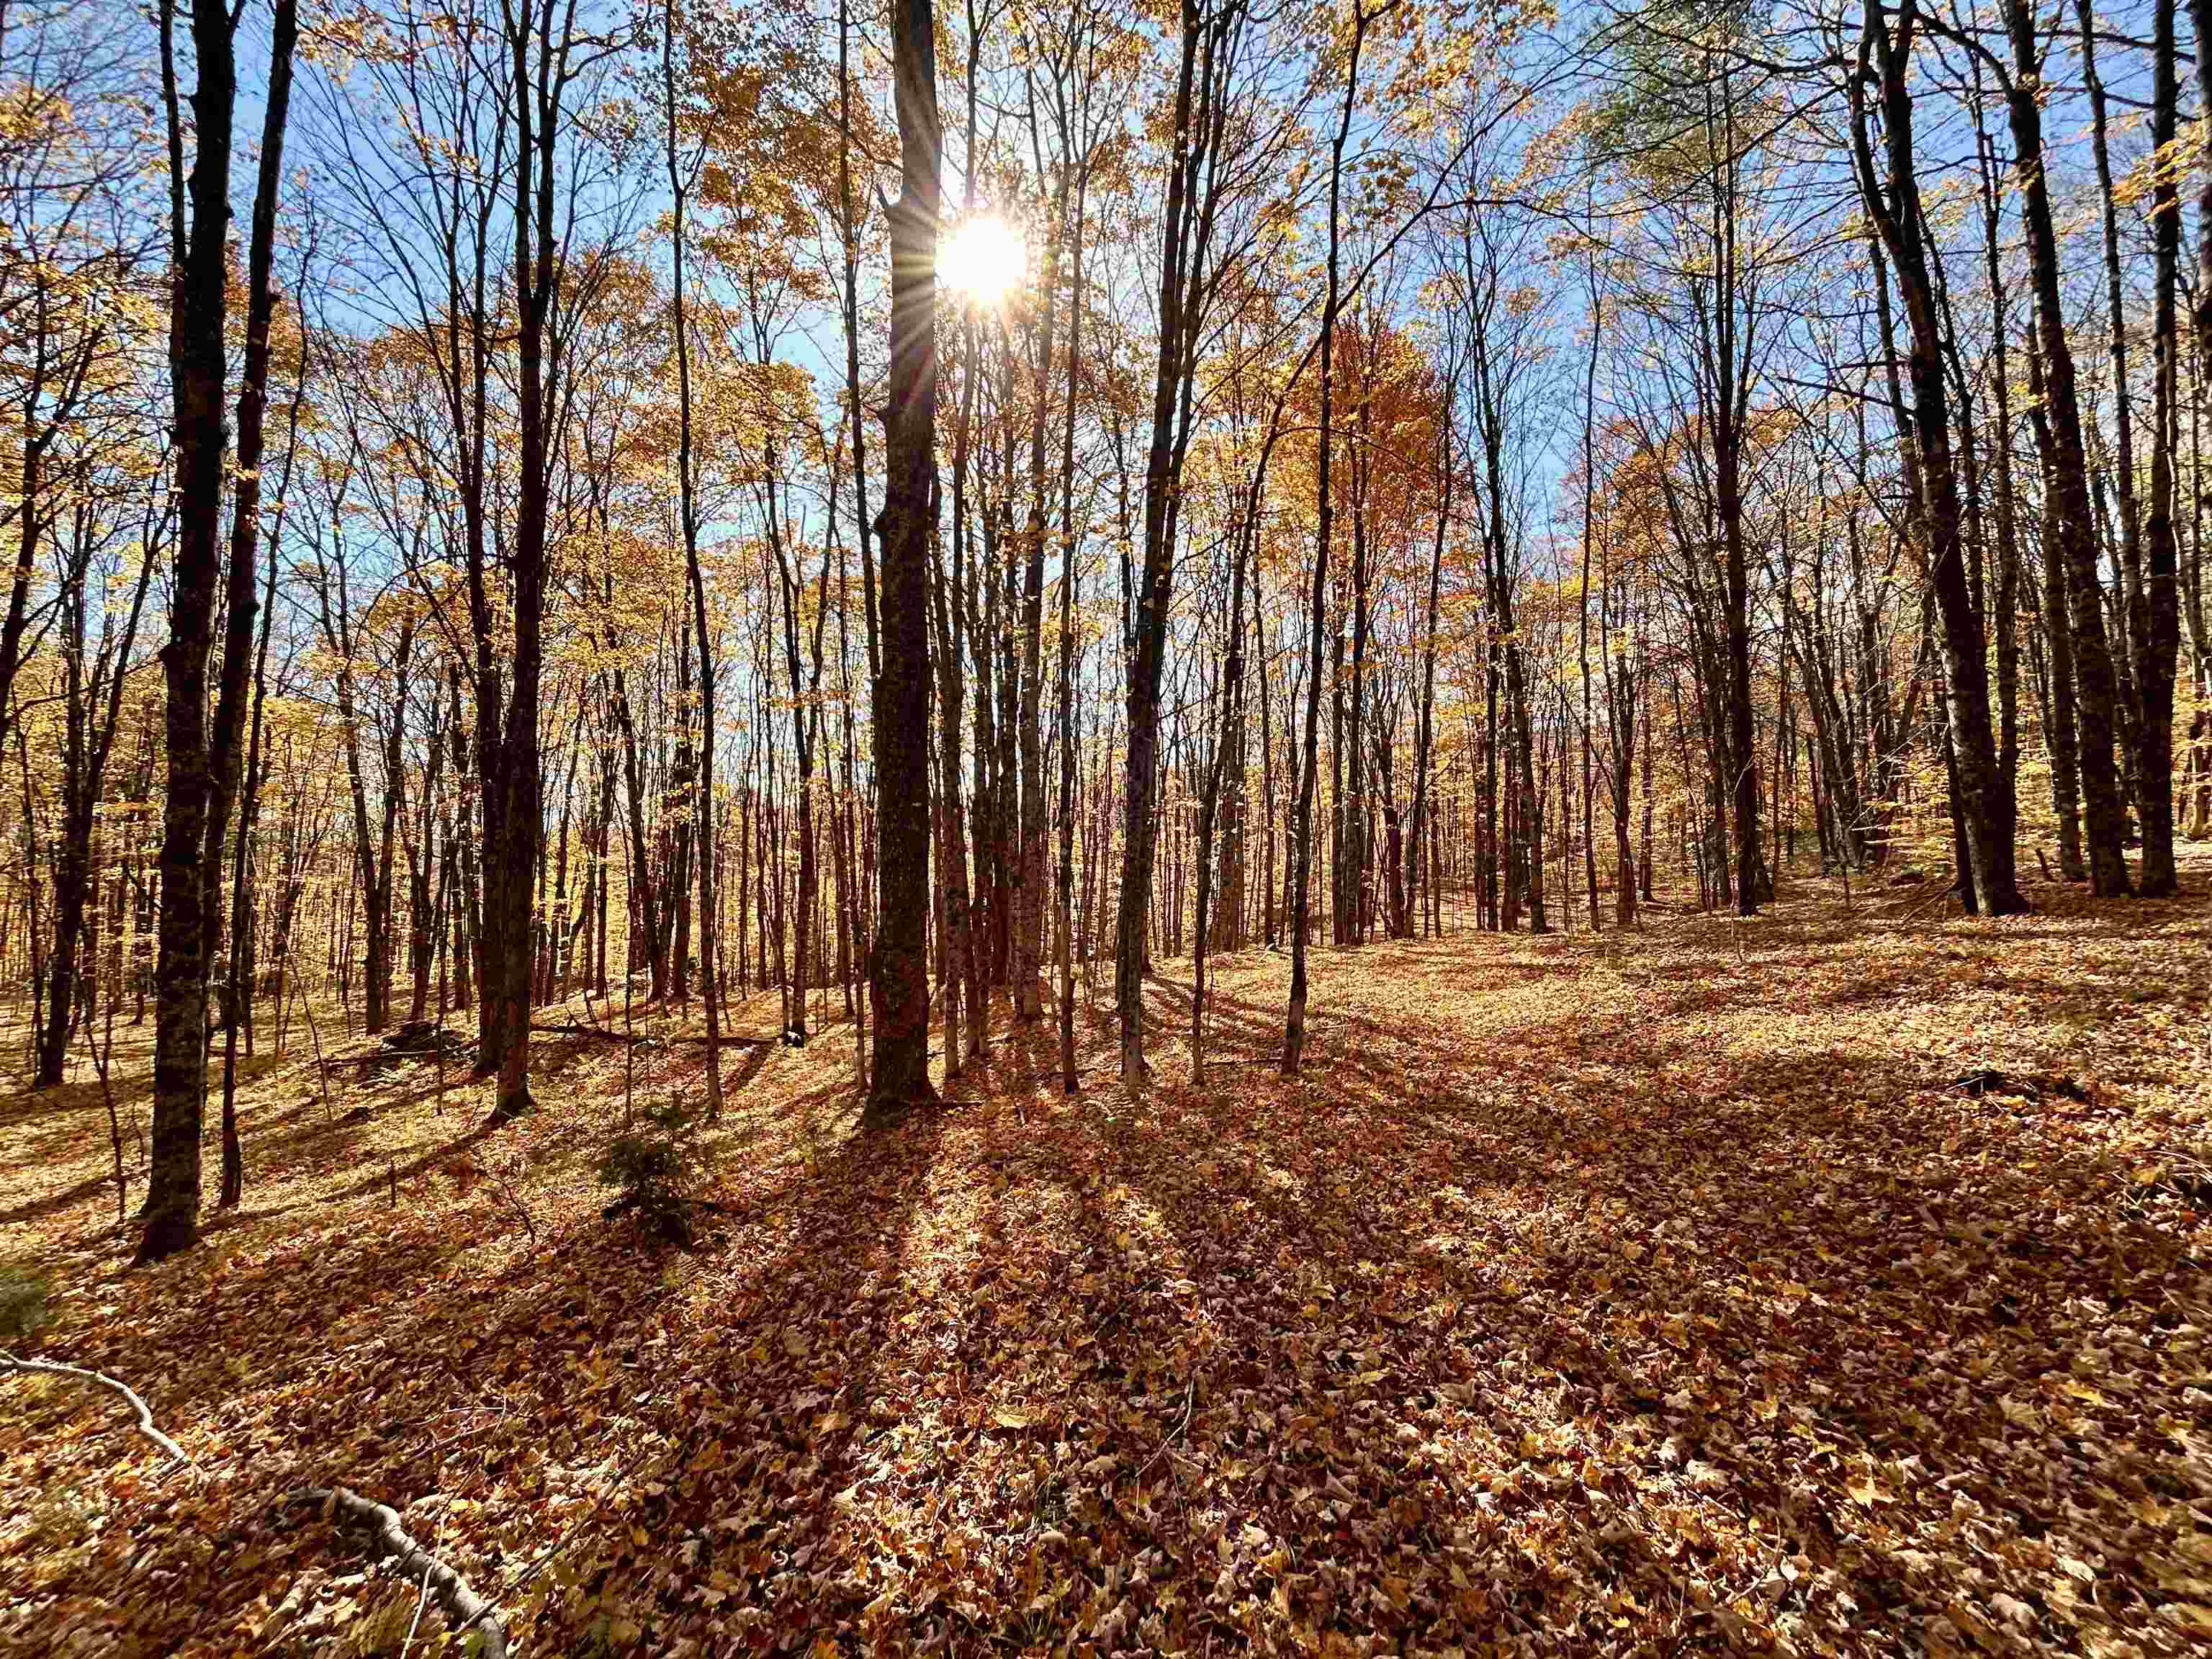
95	674
545	57
2155	611
1294	1022
2072	532
681	177
1695	120
1890	194
203	757
899	1075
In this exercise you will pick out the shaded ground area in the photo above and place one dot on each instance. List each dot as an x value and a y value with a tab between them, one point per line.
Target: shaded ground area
1588	1295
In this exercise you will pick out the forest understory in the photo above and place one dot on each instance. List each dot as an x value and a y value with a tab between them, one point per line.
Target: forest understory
1832	1281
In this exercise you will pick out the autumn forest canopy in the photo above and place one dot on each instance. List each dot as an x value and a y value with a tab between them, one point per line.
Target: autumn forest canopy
1486	729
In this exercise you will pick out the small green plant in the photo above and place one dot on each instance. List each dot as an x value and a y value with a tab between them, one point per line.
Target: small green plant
23	1311
657	1169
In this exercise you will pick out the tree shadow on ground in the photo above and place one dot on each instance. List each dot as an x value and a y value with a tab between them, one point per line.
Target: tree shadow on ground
60	1199
787	1413
1580	1317
1641	1274
80	1095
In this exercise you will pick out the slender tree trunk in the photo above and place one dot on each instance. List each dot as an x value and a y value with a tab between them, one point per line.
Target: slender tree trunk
1029	858
242	975
516	780
688	511
1893	204
1424	737
1294	1023
2071	532
900	1074
849	235
2158	626
1232	693
2123	471
1581	644
1181	248
1068	1081
203	760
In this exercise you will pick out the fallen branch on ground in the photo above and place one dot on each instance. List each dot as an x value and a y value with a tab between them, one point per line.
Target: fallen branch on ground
1933	901
1190	1397
55	1368
465	1610
728	1039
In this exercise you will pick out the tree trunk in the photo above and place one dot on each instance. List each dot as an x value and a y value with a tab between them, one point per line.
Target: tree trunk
203	760
1028	870
2071	532
1065	885
1294	1023
688	511
1182	250
1894	204
2158	627
900	1073
514	782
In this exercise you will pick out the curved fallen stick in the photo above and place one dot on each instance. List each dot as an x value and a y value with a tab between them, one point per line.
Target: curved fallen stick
465	1611
8	1363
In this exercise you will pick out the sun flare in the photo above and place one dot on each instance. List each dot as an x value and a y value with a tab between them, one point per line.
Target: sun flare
982	260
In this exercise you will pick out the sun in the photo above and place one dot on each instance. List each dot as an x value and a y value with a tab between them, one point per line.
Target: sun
982	261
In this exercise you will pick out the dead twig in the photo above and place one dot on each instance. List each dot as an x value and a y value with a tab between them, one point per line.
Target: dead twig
1189	1395
465	1611
1934	901
502	1177
422	1600
8	1362
322	1068
728	1039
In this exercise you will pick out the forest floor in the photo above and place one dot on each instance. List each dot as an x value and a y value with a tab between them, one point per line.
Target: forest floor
1635	1294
